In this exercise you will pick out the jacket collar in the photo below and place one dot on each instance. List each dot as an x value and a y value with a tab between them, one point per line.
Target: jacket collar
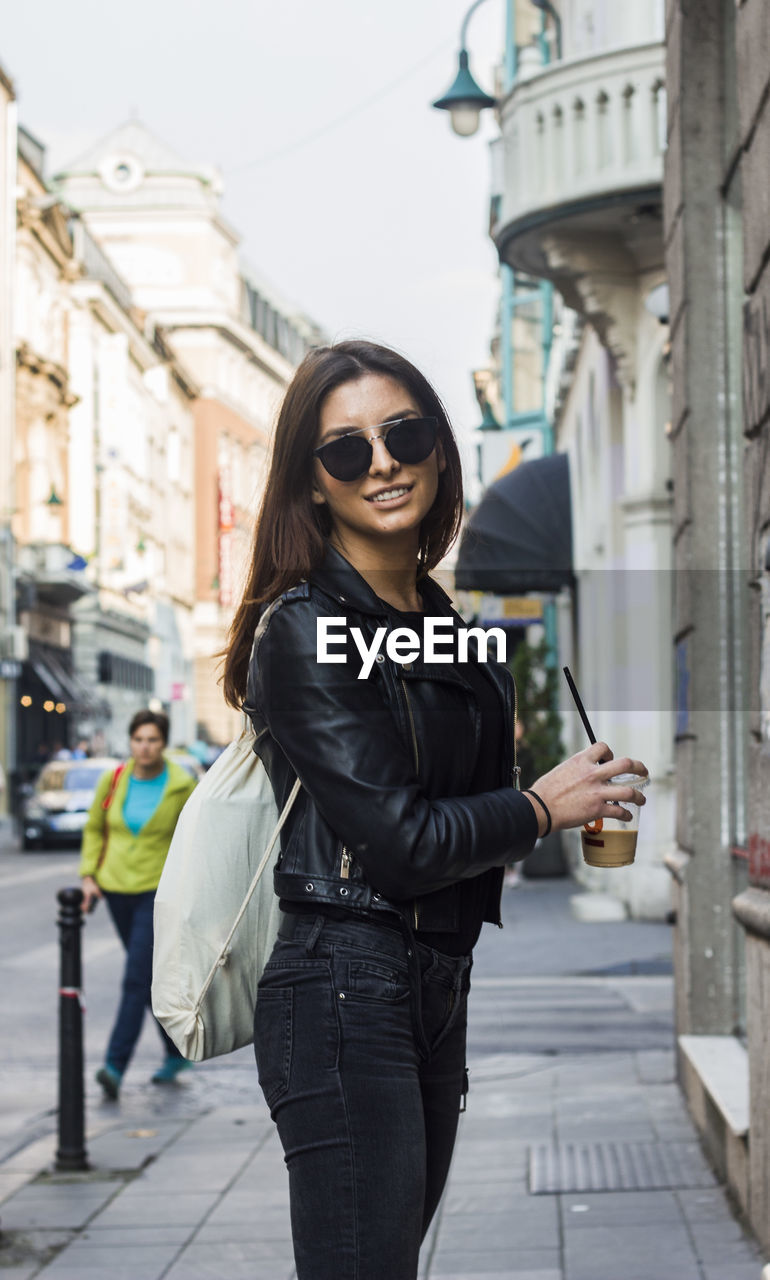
337	578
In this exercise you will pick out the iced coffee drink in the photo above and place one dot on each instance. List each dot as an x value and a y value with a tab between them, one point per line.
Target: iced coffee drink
608	842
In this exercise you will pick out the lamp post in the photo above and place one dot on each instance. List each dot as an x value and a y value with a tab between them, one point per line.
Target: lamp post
547	7
465	99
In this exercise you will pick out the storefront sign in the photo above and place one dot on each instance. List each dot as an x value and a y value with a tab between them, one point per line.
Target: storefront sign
518	611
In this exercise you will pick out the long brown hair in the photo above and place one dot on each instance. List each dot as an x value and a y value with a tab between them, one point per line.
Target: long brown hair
291	530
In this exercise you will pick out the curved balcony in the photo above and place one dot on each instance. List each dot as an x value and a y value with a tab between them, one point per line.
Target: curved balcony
580	159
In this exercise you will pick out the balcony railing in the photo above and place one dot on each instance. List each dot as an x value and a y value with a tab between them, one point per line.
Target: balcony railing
58	573
580	132
31	150
97	265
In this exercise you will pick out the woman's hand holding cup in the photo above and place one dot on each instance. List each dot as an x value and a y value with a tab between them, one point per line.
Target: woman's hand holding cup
580	789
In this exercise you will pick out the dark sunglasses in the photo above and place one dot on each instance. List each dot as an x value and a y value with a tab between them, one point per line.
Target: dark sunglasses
407	440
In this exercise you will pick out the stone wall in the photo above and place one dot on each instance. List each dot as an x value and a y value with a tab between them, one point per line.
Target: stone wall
704	428
717	228
753	907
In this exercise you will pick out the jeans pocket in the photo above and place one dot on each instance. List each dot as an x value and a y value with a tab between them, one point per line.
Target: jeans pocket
375	980
273	1042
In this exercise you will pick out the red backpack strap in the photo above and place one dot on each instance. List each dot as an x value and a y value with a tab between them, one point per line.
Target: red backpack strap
110	796
106	802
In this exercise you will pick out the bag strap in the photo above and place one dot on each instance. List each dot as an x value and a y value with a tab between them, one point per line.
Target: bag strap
106	803
221	958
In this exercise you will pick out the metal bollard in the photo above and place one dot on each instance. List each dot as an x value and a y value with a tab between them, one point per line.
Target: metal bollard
71	1153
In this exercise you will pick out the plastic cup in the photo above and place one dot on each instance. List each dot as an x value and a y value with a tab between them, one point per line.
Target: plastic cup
608	842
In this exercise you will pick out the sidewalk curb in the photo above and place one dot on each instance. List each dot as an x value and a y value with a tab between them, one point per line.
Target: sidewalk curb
36	1159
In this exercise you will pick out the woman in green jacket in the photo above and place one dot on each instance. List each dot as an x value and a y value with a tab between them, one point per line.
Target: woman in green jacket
125	842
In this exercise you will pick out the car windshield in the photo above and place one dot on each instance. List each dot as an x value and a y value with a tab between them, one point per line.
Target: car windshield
68	777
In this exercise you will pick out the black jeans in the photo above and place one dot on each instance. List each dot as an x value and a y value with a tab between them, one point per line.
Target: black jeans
367	1124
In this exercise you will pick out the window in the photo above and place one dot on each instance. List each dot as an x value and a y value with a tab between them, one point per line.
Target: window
126	673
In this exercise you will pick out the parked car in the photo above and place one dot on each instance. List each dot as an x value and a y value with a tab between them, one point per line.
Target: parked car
205	752
55	811
186	759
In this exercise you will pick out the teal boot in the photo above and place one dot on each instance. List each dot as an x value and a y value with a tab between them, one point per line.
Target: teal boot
170	1070
109	1078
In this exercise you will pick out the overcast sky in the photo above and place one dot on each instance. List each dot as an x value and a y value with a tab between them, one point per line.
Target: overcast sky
352	196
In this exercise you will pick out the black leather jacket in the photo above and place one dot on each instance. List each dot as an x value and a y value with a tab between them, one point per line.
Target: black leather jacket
383	821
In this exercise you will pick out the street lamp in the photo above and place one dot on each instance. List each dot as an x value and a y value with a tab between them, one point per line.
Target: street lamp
465	100
547	7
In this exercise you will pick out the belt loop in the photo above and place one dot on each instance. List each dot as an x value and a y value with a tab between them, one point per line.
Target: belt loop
314	934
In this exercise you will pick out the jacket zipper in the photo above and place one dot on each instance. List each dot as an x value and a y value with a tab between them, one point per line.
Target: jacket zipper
515	769
516	773
345	863
416	908
411	726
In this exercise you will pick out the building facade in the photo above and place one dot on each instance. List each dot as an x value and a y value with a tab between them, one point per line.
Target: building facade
49	697
104	520
158	219
577	203
717	228
8	646
131	451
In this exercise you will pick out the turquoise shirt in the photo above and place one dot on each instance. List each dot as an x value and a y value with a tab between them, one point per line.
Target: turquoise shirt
142	799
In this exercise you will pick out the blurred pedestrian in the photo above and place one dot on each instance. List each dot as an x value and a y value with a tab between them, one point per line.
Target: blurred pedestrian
126	838
393	853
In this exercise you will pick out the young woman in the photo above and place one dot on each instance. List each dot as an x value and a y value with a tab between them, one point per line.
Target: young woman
125	842
394	851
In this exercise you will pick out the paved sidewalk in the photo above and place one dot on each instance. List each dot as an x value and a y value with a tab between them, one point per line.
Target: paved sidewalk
9	837
572	1089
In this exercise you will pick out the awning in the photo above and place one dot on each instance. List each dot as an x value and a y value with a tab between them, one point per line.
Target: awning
63	685
519	538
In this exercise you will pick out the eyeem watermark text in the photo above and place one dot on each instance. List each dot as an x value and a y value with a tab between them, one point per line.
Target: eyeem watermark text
442	641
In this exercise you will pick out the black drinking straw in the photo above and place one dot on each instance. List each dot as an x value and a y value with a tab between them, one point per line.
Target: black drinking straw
579	704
